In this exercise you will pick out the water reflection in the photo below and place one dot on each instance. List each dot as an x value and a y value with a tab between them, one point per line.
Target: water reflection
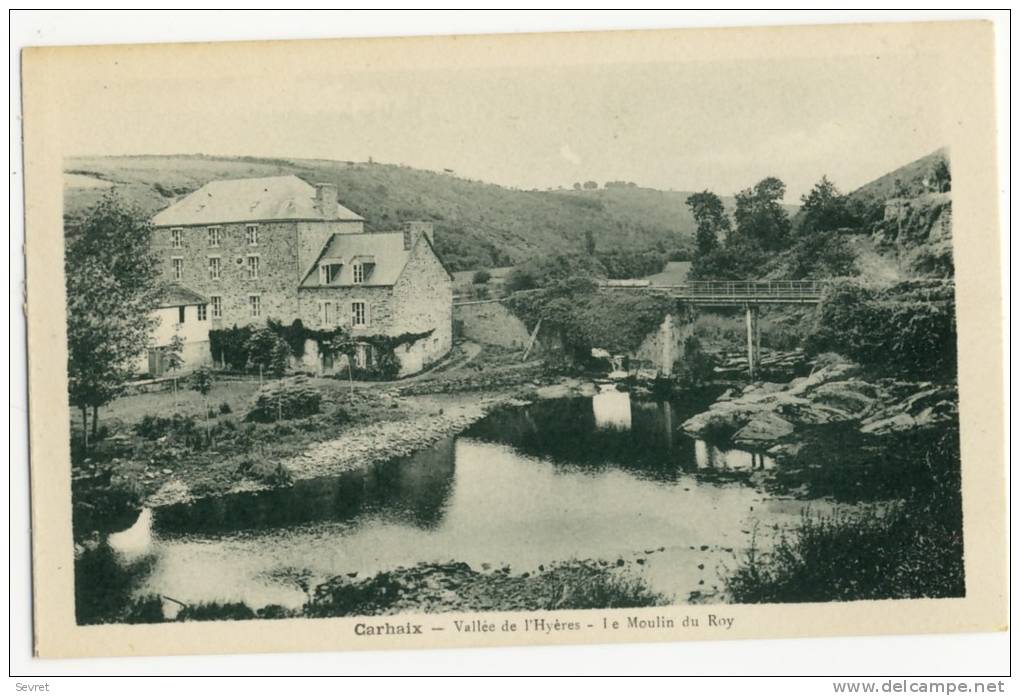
612	410
136	540
412	490
708	456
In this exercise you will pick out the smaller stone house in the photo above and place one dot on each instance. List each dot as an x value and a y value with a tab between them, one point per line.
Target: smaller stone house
180	312
386	284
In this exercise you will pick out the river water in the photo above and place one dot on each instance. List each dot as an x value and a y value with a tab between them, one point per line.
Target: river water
606	477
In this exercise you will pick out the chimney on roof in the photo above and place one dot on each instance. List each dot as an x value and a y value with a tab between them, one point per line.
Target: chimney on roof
413	228
325	200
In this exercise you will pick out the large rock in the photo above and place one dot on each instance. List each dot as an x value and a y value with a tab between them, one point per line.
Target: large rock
929	407
722	419
764	428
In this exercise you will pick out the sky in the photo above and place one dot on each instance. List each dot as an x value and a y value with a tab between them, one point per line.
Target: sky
717	125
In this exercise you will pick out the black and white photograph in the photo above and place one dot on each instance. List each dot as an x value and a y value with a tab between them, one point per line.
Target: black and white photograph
617	335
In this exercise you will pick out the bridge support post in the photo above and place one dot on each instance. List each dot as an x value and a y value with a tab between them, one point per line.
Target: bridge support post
753	340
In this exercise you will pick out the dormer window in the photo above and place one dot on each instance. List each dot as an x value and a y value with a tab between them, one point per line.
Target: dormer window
329	272
359	273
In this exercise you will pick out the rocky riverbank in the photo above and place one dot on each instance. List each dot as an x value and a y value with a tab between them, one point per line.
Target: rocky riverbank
771	416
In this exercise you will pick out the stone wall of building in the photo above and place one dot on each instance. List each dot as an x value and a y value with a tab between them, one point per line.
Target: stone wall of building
276	285
423	301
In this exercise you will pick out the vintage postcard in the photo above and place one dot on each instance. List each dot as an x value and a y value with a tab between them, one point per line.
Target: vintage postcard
514	339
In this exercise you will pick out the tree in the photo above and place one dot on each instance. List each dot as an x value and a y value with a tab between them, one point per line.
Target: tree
202	382
760	217
825	209
577	186
172	356
111	281
267	352
589	242
711	218
591	185
481	277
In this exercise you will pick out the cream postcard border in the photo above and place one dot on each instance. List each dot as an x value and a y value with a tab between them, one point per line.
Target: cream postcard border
967	50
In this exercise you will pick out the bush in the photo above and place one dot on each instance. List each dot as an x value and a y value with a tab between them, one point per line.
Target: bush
631	264
154	427
284	400
267	351
519	279
225	408
907	329
216	611
270	472
914	549
229	346
696	367
481	277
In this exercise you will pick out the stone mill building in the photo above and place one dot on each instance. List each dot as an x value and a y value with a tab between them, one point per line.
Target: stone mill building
280	248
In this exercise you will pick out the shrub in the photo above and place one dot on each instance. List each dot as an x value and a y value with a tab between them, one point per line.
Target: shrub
913	549
269	351
696	367
216	611
519	279
228	346
272	473
631	264
154	427
598	590
104	504
284	400
908	329
481	277
225	408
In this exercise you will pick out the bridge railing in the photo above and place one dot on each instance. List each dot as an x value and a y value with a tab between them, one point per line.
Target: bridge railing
752	288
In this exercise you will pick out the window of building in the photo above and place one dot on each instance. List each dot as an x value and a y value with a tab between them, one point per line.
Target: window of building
214	268
359	314
255	305
359	272
362	354
251	233
180	314
178	268
217	306
215	236
327	315
329	273
177	237
202	312
253	267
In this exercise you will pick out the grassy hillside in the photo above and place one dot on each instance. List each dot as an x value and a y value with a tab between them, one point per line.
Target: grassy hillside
908	179
477	224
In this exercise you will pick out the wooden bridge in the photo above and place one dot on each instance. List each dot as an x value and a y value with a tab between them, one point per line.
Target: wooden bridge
747	294
732	293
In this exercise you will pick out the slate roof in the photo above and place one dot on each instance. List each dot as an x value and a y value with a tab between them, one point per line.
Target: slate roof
386	248
243	200
175	295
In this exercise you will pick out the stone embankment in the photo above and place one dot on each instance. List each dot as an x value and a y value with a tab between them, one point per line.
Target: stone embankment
768	415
